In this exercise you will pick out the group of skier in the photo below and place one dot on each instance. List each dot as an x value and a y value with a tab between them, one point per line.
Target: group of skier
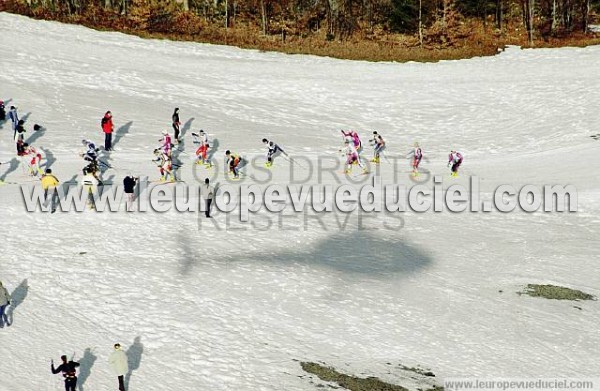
353	147
163	154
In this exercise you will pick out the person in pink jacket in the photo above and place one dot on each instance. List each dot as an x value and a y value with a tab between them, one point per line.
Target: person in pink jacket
455	159
166	142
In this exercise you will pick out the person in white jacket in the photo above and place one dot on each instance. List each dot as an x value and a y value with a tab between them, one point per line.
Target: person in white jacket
90	186
118	363
208	193
4	301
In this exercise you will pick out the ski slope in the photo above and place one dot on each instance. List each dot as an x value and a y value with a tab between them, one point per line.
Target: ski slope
201	308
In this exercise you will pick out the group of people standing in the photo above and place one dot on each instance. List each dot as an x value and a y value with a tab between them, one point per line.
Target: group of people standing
22	147
68	368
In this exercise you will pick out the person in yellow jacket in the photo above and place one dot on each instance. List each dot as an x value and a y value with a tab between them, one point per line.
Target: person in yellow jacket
49	183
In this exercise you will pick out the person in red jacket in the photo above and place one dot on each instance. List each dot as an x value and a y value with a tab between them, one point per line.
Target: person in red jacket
107	128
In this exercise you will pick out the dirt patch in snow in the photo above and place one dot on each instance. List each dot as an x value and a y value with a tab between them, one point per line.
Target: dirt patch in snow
555	292
351	382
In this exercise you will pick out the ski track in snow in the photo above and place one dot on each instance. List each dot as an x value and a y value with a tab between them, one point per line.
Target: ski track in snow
234	310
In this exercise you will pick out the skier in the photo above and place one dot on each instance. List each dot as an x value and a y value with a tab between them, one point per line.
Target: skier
355	139
69	372
4	302
20	137
2	111
378	146
202	151
49	183
129	184
91	152
118	362
166	143
232	162
417	156
107	128
91	155
176	124
163	162
272	150
36	158
351	157
455	158
14	117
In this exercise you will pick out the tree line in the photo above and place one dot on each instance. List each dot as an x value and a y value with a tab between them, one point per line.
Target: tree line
437	20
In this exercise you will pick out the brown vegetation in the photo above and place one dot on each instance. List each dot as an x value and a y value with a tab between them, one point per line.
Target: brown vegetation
368	34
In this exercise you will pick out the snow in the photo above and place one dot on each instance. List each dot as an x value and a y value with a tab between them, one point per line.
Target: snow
235	310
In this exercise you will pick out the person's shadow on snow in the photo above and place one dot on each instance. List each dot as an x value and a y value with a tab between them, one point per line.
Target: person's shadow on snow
35	135
214	147
50	159
122	131
85	367
18	296
184	129
134	357
12	167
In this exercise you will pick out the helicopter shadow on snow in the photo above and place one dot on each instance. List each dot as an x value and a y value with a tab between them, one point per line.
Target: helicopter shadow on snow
353	253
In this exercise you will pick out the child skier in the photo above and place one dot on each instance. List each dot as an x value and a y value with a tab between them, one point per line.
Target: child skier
273	150
355	139
417	156
163	162
91	152
36	158
90	155
2	111
455	159
166	143
378	146
232	162
351	157
202	151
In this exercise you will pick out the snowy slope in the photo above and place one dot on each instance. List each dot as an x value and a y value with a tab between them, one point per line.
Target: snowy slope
233	310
